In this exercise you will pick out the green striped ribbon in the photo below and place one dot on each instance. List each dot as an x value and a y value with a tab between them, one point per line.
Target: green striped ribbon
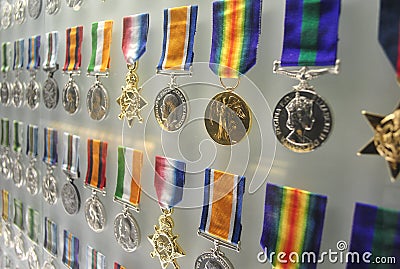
5	132
19	214
17	145
6	56
33	225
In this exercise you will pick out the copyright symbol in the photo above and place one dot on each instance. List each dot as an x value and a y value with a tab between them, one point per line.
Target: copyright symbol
341	245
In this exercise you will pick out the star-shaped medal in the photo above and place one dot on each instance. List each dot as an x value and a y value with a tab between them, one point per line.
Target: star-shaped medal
386	140
131	102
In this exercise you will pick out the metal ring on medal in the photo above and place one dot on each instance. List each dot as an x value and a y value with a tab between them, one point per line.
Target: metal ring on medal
210	260
49	189
18	93
95	214
74	4
70	198
48	265
171	109
6	14
97	102
5	93
19	247
33	261
302	121
32	180
5	165
33	94
19	11
34	8
50	93
70	97
17	174
52	6
227	118
126	231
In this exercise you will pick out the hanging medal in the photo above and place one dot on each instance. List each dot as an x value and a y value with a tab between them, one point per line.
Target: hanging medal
97	98
95	259
17	169
6	166
127	193
50	158
134	39
75	4
95	212
33	88
52	6
7	231
72	66
6	14
70	197
20	11
169	180
221	217
33	226
34	8
19	242
18	87
302	120
50	90
50	243
70	256
31	173
5	86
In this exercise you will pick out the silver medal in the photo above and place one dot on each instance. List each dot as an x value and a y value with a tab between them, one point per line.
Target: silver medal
5	93
17	173
70	198
5	165
33	260
50	92
19	11
6	15
95	214
32	94
70	97
97	101
18	93
34	8
19	247
212	260
7	235
74	4
52	6
126	231
48	265
49	188
32	178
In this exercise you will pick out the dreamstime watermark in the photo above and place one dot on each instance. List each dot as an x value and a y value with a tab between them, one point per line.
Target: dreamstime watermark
339	255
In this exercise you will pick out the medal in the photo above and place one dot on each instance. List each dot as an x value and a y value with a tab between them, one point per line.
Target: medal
5	86
170	105
31	173
221	217
18	87
97	98
19	242
50	242
50	87
95	259
34	8
20	11
7	232
75	4
6	14
33	260
70	256
302	120
70	94
17	147
33	88
135	29
127	193
6	165
50	158
169	181
95	212
53	6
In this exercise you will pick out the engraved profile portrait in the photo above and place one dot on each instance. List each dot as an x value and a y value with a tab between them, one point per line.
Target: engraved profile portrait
95	215
71	104
97	104
210	264
171	111
124	232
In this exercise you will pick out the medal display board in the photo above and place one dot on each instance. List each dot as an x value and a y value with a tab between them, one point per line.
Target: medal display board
366	81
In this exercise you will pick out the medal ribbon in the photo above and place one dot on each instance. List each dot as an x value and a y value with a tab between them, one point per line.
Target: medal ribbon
169	180
71	251
97	160
50	155
128	189
118	266
311	32
70	164
19	214
6	55
19	47
50	236
73	57
33	53
95	259
17	147
5	132
222	208
32	140
134	38
236	29
178	42
5	202
293	223
33	224
52	51
101	43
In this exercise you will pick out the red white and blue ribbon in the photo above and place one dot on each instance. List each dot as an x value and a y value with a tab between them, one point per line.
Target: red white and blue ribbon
32	133
71	251
33	53
50	155
50	236
70	163
134	38
95	259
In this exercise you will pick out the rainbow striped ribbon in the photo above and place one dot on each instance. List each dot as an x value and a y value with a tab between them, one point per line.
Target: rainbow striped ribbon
118	266
95	259
311	32
70	164
19	49
71	251
236	29
50	62
134	38
222	206
33	220
32	132
128	189
33	53
178	42
5	203
375	230
5	132
169	180
17	145
101	43
293	223
6	55
50	236
73	56
19	214
97	161
50	155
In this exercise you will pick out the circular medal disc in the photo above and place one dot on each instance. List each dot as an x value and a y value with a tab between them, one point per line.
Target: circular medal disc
126	231
33	261
5	93
19	11
7	235
171	109
95	214
6	15
32	180
52	6
48	265
18	93
19	247
70	97
5	165
50	93
227	118
209	260
34	8
17	174
97	102
75	4
32	94
49	189
70	198
302	121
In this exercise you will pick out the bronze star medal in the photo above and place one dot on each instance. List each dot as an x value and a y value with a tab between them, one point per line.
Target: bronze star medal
386	140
